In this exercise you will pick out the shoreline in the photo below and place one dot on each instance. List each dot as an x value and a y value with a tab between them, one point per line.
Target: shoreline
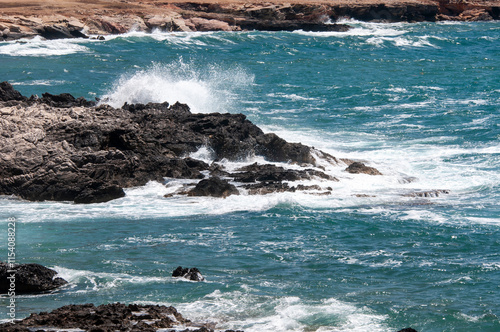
78	19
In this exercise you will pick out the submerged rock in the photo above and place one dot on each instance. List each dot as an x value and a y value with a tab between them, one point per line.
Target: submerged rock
192	274
29	278
428	194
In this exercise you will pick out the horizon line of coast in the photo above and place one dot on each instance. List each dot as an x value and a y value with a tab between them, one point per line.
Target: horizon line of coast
76	19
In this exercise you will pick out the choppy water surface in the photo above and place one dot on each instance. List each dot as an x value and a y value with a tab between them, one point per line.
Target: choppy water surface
420	102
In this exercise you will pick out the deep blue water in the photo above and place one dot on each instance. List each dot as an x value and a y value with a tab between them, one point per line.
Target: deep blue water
420	102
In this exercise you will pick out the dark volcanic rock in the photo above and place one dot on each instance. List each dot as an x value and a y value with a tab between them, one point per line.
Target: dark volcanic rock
272	173
61	148
408	329
192	274
65	100
215	187
8	93
358	168
108	318
29	278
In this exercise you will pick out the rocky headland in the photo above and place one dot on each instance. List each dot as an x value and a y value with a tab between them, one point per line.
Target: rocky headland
80	19
61	148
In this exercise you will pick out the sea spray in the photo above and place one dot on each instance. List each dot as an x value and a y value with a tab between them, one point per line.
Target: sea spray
205	88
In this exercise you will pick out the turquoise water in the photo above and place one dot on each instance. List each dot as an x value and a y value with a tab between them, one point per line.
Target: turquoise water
420	102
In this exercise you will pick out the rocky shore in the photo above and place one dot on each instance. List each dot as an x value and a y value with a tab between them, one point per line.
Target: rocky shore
109	317
61	148
79	19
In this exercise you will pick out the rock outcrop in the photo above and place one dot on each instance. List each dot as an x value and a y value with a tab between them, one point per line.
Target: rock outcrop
28	278
61	148
108	317
192	274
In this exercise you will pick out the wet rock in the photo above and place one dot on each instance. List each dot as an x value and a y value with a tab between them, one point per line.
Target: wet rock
408	329
106	317
29	278
215	187
272	173
277	149
192	274
358	168
8	93
62	148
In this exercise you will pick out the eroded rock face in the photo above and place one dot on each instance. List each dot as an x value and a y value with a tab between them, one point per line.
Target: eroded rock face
29	278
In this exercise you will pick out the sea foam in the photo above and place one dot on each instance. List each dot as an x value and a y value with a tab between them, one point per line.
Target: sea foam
206	89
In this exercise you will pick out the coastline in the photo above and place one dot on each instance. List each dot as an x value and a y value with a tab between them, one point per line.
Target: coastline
79	19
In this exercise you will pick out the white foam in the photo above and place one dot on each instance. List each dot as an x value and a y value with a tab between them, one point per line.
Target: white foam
40	82
96	281
206	90
37	47
240	310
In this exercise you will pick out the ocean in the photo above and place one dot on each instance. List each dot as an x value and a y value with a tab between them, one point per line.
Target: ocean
420	102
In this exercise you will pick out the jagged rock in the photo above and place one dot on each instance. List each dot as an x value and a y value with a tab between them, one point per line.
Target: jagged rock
109	318
358	168
256	172
192	274
65	100
106	317
29	278
215	187
61	148
8	93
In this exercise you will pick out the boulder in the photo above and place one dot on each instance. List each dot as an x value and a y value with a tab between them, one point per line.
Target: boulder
214	187
192	274
358	168
29	278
